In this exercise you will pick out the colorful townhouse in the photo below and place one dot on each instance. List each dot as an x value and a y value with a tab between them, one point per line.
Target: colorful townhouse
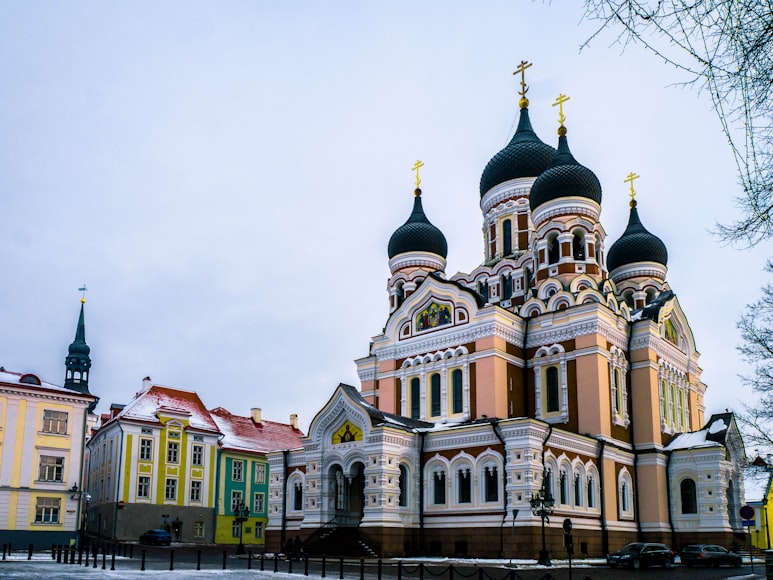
42	432
242	473
152	464
758	493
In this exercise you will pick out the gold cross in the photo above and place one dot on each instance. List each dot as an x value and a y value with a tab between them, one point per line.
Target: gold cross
629	179
415	168
522	69
560	100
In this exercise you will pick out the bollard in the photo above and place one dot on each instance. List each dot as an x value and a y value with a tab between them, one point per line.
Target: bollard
480	574
171	560
142	566
400	570
421	571
29	552
112	559
323	565
262	560
87	559
104	557
290	565
95	553
72	554
249	559
59	554
306	565
276	562
362	568
80	555
53	551
225	555
379	569
451	572
341	570
198	559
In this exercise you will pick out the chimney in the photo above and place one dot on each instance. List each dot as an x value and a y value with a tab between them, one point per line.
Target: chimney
145	384
255	414
294	421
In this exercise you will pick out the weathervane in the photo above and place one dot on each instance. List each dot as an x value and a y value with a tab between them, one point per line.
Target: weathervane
560	100
524	102
630	179
415	168
83	291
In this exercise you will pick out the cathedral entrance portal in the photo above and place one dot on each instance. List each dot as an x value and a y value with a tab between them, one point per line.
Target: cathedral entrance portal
348	491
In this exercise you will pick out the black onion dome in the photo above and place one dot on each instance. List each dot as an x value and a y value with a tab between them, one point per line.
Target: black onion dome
564	178
417	234
636	245
524	156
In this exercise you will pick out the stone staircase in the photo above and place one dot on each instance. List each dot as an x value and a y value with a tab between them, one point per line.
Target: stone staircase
340	541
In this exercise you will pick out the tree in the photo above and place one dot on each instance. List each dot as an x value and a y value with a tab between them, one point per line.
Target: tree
726	48
756	327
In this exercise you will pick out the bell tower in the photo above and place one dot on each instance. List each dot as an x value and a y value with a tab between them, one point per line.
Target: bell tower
77	362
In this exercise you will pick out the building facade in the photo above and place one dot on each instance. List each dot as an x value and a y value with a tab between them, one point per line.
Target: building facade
560	365
42	433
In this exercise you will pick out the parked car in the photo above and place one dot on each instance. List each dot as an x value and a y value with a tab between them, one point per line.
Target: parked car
156	538
709	555
642	554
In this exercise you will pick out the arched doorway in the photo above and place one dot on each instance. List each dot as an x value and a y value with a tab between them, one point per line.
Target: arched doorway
348	494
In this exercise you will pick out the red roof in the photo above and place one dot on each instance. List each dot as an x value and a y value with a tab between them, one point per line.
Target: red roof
245	435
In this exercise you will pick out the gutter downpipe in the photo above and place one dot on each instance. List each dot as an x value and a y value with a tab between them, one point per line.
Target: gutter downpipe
283	535
602	502
422	435
668	494
629	385
118	483
495	426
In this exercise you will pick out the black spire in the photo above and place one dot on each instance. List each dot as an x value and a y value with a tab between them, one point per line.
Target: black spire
77	362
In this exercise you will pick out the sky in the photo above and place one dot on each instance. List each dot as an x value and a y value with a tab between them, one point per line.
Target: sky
224	176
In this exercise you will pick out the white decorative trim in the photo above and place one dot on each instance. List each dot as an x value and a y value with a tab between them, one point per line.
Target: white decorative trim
573	205
508	190
417	260
639	270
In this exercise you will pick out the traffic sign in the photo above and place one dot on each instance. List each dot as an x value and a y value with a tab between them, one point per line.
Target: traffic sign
747	523
747	512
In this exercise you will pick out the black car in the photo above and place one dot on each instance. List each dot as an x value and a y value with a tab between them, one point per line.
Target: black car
709	555
156	538
642	554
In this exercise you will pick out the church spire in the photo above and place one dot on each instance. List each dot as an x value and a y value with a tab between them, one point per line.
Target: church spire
77	362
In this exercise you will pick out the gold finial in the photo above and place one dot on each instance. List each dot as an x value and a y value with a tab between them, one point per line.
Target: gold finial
630	179
523	102
415	168
560	100
83	291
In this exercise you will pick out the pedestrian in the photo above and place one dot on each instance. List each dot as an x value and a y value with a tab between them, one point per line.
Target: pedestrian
288	549
298	548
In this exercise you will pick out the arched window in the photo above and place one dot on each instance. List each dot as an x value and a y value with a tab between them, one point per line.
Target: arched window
551	378
578	246
562	484
618	393
624	497
689	496
456	391
491	483
439	487
506	282
435	394
554	249
672	405
483	289
663	402
403	501
298	496
415	398
507	238
597	249
549	483
464	485
591	494
577	490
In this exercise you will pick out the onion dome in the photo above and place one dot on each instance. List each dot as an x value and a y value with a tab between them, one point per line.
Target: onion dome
636	245
564	178
417	234
525	156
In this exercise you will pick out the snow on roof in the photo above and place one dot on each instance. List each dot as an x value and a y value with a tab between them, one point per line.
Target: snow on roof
756	481
147	405
717	426
244	434
14	379
691	440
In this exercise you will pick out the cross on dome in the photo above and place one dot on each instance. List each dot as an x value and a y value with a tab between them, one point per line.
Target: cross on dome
524	102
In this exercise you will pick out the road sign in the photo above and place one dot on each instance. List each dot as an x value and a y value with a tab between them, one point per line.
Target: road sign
747	512
747	523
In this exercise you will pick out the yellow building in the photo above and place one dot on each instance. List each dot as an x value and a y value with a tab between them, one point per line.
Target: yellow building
758	493
42	432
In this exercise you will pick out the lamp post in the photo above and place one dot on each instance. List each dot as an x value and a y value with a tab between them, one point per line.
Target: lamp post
542	504
242	513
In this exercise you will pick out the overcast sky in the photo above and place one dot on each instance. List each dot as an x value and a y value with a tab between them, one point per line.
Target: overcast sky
225	176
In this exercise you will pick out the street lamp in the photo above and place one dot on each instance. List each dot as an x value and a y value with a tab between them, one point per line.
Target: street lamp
242	513
542	504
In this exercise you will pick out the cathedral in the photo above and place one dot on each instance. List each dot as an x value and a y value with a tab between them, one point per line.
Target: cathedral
557	379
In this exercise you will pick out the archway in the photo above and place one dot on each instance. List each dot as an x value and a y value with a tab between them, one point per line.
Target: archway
348	494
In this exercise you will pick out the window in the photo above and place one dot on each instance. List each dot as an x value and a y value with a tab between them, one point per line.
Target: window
170	489
146	449
464	486
507	237
198	529
549	483
551	376
51	468
258	503
439	488
415	398
260	473
236	499
563	495
591	500
298	497
403	483
456	391
47	510
258	529
689	496
435	394
578	246
197	455
143	486
618	393
172	452
554	250
491	484
624	497
506	281
54	422
237	470
577	490
195	491
236	529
